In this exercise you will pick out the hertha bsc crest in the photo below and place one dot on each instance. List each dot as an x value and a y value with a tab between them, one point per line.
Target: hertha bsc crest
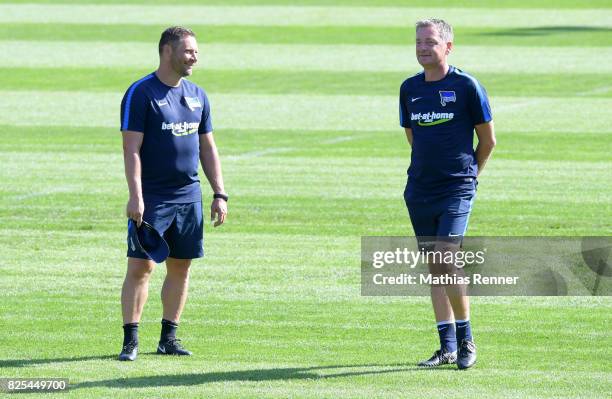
447	97
192	103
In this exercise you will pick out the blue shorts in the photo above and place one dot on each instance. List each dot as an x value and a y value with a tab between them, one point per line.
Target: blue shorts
442	217
181	225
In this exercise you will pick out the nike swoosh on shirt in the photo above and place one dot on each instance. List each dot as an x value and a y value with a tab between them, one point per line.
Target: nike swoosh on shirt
413	99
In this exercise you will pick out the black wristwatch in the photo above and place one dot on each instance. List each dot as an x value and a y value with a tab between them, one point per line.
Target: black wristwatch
220	196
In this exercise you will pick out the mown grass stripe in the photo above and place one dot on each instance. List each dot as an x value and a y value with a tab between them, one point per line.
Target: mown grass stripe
533	199
525	216
290	82
377	58
244	144
347	112
536	198
357	174
533	36
295	15
526	4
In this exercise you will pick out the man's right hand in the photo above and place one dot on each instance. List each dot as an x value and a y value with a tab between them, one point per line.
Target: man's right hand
135	209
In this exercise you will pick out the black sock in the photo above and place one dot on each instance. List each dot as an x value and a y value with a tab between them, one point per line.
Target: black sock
130	333
168	331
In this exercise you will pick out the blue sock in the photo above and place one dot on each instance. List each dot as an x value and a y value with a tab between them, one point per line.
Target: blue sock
464	330
446	331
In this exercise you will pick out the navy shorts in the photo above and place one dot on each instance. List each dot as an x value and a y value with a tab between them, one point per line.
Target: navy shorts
442	217
181	225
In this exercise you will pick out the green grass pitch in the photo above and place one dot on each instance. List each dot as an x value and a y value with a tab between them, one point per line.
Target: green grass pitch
304	102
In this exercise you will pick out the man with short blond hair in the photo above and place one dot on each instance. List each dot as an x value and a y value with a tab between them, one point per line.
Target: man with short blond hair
440	108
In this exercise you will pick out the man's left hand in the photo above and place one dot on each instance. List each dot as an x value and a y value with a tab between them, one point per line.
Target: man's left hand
218	211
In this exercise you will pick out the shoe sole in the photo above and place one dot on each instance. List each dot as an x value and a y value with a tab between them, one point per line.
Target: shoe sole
172	354
466	367
430	366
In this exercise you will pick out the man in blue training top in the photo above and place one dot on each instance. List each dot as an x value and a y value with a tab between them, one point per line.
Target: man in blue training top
439	109
166	127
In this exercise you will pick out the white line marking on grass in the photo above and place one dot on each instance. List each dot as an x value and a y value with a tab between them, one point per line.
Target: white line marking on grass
514	106
256	154
339	139
57	190
597	90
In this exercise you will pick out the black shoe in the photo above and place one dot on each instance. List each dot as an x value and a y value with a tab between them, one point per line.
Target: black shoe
172	347
467	355
129	351
439	358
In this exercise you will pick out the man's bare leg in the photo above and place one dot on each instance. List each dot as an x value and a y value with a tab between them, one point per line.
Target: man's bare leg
443	310
174	290
135	289
174	296
134	295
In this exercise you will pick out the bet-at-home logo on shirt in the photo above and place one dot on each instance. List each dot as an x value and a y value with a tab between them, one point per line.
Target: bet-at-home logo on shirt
431	118
181	128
